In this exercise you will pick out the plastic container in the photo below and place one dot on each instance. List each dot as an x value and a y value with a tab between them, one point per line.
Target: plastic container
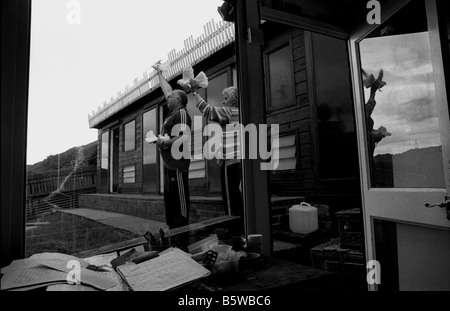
303	218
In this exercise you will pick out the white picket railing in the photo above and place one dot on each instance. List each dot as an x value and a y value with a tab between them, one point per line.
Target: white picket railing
215	37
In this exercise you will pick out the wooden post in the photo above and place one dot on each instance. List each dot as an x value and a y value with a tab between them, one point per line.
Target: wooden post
251	95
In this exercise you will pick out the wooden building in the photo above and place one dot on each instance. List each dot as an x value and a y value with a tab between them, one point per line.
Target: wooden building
129	165
298	64
316	131
301	65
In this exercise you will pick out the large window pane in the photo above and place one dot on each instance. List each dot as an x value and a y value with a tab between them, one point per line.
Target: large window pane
130	133
401	118
129	179
215	87
335	117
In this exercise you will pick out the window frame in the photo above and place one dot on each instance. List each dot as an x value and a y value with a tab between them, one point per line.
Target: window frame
101	186
148	108
266	55
124	136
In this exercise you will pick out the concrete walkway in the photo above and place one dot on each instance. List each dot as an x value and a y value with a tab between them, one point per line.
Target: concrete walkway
130	223
140	225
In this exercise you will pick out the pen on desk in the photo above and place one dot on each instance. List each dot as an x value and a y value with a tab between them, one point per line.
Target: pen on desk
146	256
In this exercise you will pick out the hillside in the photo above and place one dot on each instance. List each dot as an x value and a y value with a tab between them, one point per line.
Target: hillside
421	167
82	158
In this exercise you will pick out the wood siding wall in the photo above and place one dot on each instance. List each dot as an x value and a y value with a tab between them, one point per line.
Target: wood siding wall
131	157
295	119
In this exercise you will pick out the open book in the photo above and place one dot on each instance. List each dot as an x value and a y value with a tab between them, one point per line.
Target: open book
171	269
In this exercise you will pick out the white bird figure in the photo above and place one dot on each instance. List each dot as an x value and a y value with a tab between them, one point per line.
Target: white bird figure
150	137
370	81
188	75
163	67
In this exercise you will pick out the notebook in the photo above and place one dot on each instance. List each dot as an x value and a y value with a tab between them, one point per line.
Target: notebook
171	269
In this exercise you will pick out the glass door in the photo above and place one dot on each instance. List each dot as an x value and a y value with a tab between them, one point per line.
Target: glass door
403	125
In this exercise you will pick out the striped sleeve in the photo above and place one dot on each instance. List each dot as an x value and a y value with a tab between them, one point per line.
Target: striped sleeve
222	115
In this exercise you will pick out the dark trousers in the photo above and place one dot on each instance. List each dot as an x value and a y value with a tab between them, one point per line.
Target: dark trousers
231	194
176	197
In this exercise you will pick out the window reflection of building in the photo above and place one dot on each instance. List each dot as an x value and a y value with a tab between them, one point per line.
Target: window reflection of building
280	80
407	104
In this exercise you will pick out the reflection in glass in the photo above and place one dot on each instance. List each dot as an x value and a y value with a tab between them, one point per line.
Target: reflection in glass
280	76
405	107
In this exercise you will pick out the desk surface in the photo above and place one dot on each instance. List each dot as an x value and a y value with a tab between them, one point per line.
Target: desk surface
274	274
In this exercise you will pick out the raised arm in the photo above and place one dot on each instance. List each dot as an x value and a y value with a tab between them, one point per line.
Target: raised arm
221	115
165	86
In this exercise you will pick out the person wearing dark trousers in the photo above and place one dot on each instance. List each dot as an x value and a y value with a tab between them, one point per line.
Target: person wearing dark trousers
176	128
228	156
176	197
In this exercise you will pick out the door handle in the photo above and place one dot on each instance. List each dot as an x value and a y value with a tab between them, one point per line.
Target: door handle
446	204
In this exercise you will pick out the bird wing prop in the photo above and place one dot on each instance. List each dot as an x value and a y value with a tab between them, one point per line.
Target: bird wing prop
188	74
163	67
150	137
369	80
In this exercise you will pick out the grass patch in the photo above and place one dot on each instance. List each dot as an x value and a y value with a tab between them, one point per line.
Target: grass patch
70	234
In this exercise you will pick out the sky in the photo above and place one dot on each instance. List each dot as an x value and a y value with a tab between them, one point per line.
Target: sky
406	106
83	52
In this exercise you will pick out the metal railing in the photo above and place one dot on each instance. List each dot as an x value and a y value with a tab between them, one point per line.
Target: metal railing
215	37
47	194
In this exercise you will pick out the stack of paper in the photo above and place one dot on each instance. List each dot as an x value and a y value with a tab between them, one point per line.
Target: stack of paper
171	269
45	269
